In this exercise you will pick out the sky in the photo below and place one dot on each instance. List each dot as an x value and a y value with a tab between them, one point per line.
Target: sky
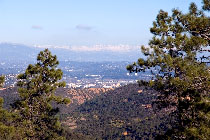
82	22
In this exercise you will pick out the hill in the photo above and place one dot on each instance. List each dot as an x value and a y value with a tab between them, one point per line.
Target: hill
77	96
123	113
13	53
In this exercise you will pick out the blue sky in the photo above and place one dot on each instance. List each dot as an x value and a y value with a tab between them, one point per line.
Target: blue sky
81	22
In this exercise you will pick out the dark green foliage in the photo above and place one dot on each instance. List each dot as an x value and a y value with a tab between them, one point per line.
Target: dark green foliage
36	89
2	78
70	135
206	5
7	130
5	119
178	54
115	113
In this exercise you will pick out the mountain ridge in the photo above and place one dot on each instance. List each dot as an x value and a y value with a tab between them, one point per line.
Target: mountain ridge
19	52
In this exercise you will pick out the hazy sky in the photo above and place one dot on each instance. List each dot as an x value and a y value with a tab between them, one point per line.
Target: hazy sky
81	22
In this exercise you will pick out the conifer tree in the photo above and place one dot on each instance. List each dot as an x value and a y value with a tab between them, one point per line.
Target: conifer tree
179	56
36	89
7	128
2	78
8	131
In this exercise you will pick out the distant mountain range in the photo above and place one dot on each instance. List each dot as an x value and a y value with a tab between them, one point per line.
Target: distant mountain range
18	52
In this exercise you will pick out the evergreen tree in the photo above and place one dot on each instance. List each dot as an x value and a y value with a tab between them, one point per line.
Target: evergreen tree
7	128
2	78
36	89
178	56
8	131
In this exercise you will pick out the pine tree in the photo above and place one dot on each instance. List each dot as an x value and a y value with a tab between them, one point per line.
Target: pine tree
8	131
36	89
178	56
5	118
2	78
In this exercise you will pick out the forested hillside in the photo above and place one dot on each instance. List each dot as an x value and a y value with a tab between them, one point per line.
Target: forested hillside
123	113
77	96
